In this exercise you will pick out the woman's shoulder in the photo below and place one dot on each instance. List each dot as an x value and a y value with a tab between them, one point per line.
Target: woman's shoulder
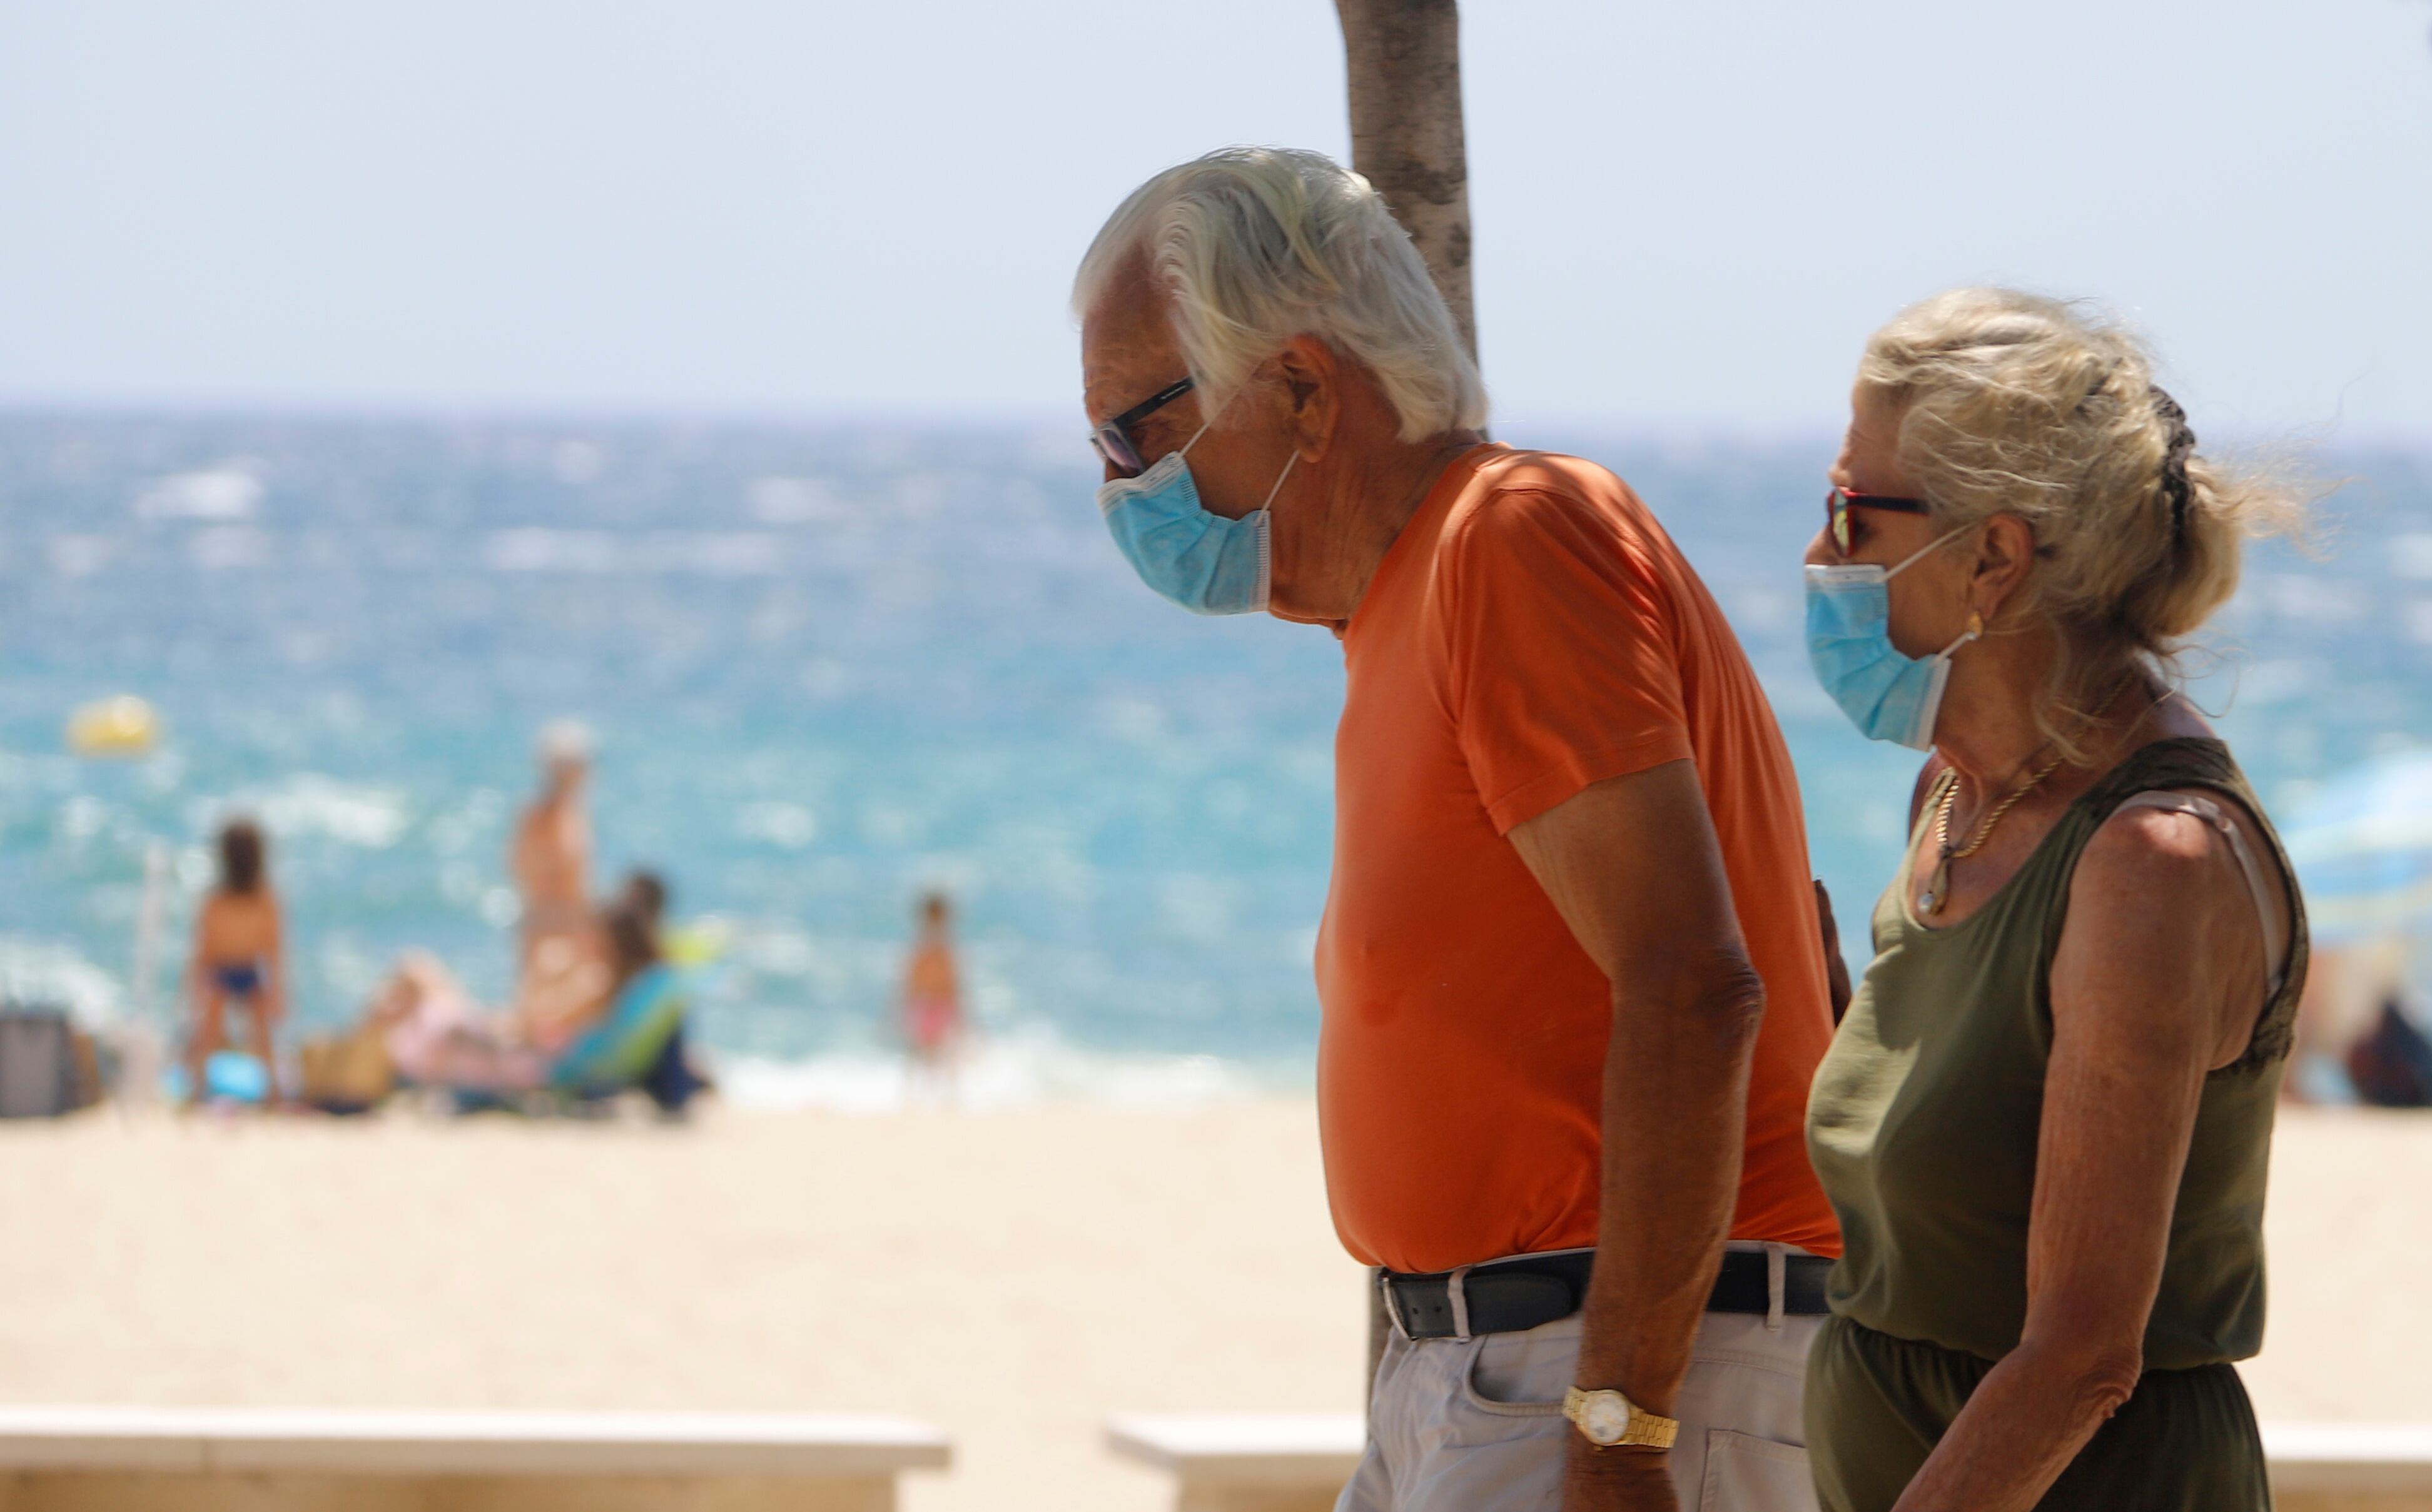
2181	843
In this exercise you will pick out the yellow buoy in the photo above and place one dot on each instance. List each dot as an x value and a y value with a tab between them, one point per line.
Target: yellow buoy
124	726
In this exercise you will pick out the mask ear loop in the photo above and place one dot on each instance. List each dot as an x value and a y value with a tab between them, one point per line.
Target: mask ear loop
1279	480
1266	534
1975	631
1921	552
1939	680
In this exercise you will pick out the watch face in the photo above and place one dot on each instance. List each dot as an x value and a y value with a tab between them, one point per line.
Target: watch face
1605	1416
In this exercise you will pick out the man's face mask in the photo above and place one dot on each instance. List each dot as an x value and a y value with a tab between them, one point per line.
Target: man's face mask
1204	562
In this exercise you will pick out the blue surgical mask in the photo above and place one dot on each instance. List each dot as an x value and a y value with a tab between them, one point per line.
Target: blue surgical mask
1888	696
1205	563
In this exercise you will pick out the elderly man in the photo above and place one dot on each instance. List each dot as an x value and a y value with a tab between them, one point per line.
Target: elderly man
1570	966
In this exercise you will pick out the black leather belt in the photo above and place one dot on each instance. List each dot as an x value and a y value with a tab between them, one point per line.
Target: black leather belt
1507	1296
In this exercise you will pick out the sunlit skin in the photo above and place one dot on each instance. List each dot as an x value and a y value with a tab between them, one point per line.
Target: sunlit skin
1662	926
1354	482
2157	980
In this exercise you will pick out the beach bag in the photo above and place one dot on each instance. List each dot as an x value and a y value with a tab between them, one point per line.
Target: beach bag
42	1071
347	1073
2391	1067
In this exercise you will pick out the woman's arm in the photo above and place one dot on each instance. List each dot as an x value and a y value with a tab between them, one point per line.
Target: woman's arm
2160	966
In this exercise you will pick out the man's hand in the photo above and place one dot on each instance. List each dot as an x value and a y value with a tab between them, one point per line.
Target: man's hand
1836	970
1633	865
1615	1480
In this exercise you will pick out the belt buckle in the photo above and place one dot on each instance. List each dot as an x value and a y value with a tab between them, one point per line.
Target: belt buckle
1455	1295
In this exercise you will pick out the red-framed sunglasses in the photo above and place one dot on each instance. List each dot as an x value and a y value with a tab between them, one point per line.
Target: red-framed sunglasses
1838	503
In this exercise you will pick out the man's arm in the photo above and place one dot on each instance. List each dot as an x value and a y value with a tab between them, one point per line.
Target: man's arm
1634	867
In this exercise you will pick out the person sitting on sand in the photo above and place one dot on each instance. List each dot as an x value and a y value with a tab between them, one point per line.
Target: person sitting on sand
676	1078
236	960
933	993
646	893
438	1034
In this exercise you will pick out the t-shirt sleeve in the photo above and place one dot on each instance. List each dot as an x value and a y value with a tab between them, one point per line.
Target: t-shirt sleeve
1559	660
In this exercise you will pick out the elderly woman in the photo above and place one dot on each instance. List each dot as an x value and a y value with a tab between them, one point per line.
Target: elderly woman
2045	1121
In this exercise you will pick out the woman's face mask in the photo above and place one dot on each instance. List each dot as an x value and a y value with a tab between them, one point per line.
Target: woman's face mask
1205	563
1886	694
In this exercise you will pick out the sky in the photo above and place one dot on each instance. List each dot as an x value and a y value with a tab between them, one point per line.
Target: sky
1687	216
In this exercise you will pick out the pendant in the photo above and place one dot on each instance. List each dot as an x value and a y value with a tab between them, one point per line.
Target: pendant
1937	888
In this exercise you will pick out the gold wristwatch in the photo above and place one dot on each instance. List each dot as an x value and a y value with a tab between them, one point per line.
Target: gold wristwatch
1611	1421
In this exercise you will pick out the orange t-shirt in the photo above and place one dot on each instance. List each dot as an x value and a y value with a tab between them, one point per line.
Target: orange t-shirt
1533	632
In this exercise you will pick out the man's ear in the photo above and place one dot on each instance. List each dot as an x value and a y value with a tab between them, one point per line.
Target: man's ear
1313	380
2004	556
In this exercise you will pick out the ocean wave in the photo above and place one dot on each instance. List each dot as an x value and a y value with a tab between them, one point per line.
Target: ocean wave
50	974
1022	1070
353	813
227	492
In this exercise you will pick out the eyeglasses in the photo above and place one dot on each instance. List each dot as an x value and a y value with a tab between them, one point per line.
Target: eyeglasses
1838	503
1114	439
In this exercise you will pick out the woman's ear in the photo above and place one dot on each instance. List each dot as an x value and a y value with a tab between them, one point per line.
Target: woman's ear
2004	557
1313	381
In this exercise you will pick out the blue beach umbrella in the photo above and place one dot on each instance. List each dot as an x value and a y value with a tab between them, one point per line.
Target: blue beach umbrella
2362	845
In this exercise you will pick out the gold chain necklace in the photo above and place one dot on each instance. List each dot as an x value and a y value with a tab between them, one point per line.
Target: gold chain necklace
1937	885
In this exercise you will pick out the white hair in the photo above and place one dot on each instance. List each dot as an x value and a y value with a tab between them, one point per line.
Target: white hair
564	743
1259	245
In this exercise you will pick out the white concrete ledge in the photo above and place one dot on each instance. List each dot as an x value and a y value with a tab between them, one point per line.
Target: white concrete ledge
1246	1462
1245	1448
1225	1461
2340	1460
207	1441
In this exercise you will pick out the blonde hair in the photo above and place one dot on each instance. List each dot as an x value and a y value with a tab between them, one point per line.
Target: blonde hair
2009	403
1260	244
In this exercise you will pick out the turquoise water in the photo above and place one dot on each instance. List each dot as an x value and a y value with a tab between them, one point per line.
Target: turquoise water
828	667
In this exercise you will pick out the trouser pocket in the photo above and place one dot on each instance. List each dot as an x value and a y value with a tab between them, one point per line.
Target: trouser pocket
1745	1474
1522	1375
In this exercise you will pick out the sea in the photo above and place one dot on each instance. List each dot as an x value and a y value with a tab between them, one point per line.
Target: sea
828	667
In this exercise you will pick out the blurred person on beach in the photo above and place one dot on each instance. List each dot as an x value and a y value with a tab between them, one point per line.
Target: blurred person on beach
2046	1120
550	858
677	1077
646	893
1571	964
932	1002
237	961
437	1034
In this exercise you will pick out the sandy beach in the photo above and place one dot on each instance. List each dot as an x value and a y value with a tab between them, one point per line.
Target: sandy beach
1011	1276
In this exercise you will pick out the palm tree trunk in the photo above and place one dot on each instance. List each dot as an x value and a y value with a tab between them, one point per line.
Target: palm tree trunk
1404	60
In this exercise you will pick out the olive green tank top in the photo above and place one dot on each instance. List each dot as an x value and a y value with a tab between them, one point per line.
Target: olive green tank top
1926	1113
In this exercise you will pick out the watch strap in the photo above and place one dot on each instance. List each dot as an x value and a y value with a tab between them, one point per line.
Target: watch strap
1644	1429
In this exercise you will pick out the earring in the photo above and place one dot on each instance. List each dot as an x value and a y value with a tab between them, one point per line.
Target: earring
1975	625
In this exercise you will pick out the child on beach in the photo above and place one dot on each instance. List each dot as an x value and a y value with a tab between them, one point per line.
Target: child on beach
236	961
933	996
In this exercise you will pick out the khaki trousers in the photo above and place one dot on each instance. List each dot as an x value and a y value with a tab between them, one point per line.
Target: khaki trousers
1477	1424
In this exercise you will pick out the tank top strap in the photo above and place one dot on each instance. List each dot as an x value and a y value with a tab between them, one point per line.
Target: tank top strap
2185	762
